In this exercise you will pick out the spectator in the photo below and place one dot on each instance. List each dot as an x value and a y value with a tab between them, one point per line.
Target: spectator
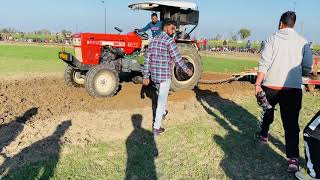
248	45
285	58
262	45
205	44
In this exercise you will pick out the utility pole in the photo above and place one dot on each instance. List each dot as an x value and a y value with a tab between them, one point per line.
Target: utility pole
294	5
105	17
301	28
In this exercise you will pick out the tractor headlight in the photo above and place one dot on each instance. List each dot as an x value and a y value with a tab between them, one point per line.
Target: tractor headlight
76	41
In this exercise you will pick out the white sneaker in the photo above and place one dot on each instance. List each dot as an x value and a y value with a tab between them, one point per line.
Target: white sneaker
302	176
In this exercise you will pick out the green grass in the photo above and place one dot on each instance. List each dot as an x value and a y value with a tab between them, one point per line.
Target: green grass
228	64
24	59
218	146
218	64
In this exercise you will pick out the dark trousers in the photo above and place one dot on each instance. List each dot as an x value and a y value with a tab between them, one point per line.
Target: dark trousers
290	104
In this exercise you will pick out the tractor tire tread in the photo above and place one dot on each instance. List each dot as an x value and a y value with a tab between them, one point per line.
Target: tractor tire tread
68	77
189	50
90	78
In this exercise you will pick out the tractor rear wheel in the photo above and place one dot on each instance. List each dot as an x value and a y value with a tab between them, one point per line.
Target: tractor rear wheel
102	81
73	77
180	80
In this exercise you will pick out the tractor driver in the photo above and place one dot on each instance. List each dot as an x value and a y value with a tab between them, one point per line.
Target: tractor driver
155	26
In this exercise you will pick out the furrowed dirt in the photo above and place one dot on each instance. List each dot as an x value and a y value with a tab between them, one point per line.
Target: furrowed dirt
31	109
52	97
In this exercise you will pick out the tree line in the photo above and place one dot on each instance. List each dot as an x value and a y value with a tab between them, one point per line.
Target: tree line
37	32
242	34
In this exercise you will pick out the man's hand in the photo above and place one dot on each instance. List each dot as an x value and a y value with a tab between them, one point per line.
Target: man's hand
136	30
189	72
259	81
146	82
258	89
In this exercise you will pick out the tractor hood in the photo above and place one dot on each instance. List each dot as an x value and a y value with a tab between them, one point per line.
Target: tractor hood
160	5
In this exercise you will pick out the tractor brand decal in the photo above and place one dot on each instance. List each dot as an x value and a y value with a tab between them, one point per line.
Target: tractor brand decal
107	43
133	44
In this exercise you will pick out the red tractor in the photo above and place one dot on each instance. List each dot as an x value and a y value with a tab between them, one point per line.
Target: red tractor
100	58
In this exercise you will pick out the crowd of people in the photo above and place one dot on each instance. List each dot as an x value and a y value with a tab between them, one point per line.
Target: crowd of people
245	49
233	49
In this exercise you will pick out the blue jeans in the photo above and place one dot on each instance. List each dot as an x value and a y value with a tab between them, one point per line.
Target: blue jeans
163	92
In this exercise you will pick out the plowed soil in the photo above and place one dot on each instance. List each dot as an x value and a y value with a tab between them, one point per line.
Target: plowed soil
31	108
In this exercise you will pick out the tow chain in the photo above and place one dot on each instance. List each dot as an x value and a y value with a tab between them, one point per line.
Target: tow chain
220	81
132	56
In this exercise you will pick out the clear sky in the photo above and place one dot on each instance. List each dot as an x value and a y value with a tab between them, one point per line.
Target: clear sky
224	17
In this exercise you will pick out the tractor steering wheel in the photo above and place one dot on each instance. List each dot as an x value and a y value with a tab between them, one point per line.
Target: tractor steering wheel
142	34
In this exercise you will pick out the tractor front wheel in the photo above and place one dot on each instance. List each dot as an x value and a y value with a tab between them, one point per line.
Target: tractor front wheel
102	81
73	77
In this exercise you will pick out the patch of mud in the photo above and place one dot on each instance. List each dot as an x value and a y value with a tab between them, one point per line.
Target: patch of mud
34	110
53	98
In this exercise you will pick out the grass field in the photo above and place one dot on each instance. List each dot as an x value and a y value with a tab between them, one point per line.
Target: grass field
217	145
22	59
227	64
